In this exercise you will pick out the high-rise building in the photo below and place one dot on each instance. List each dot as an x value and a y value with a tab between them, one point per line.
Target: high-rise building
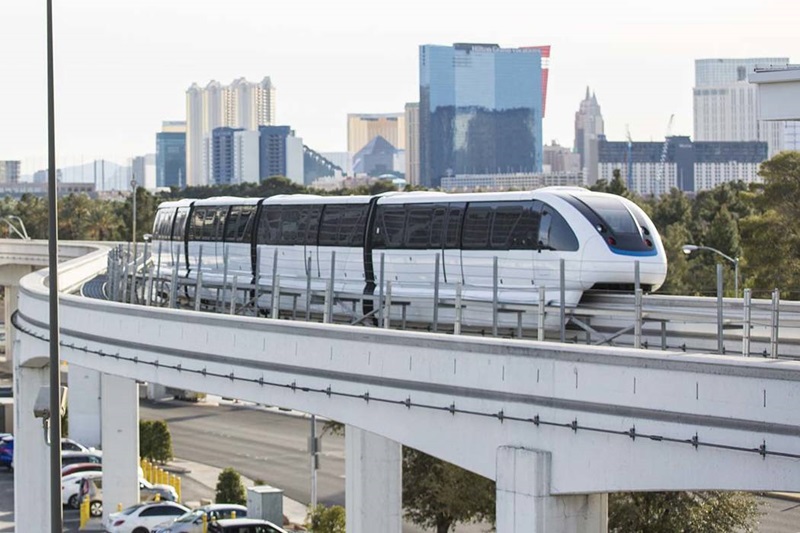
559	158
588	129
280	153
686	165
545	51
171	155
363	128
222	164
9	171
245	156
480	110
412	143
143	170
726	104
240	105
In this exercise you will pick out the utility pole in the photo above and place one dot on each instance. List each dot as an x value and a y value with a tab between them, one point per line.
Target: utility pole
56	510
134	186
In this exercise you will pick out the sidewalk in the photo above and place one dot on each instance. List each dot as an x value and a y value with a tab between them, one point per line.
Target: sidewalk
206	476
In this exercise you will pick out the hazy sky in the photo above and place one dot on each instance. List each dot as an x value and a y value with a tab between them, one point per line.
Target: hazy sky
123	66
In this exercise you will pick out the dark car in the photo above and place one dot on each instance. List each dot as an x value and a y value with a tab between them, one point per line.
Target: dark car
7	451
243	525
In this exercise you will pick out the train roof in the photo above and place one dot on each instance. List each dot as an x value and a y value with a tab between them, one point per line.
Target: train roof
226	200
294	199
172	204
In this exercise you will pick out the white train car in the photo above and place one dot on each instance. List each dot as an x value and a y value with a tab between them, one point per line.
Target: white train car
402	237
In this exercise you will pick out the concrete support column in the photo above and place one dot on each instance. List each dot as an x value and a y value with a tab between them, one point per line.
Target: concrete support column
373	482
524	502
31	452
10	306
84	405
120	428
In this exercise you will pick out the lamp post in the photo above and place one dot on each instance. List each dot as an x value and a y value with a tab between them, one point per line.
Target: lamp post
689	248
134	186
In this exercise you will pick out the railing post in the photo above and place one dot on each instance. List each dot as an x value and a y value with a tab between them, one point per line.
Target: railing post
388	318
198	286
234	289
435	323
125	281
326	317
274	275
540	329
495	302
257	281
720	332
173	290
224	280
148	287
457	325
331	289
381	281
158	267
746	322
562	307
276	295
637	324
637	283
775	323
308	289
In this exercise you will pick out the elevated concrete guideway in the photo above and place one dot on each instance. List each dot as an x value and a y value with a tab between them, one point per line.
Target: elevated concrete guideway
556	426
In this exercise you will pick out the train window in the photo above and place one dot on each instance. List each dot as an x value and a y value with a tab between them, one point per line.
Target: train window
269	227
418	227
555	233
506	218
313	213
614	213
290	225
236	223
342	225
525	232
179	227
452	234
246	228
477	226
389	227
196	224
439	217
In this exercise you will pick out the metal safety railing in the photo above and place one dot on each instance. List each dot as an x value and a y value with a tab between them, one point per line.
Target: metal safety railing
533	312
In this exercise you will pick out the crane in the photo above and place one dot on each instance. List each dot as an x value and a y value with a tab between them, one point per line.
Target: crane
663	161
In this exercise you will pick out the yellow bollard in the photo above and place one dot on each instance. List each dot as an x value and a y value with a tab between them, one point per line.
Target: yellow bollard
178	488
157	497
119	507
233	514
205	523
84	512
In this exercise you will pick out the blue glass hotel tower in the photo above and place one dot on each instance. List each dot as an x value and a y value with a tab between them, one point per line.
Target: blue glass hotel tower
480	110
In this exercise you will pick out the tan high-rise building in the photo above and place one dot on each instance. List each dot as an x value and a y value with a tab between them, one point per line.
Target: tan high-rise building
362	128
412	143
242	104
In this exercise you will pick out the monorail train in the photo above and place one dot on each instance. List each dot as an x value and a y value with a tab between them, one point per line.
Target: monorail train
397	237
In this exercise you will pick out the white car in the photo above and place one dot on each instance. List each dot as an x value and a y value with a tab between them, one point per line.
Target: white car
192	522
71	487
69	445
143	517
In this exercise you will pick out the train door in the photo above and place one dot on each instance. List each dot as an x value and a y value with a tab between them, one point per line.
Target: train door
512	240
556	241
178	245
451	243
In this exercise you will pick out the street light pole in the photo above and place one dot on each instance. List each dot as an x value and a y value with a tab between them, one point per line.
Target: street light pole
56	510
689	248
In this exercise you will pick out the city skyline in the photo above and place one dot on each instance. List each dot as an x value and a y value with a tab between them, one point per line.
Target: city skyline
112	98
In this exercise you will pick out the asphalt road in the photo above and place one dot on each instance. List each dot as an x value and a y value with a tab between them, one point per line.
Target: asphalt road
271	446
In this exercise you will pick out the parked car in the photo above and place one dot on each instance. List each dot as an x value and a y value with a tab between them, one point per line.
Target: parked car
142	517
69	445
192	522
244	525
71	487
80	467
71	458
7	451
93	488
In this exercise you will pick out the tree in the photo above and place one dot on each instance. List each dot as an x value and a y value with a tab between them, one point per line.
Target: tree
230	488
323	519
439	495
682	512
155	441
617	185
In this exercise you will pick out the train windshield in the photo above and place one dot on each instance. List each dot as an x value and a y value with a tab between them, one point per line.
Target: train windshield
621	228
614	213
